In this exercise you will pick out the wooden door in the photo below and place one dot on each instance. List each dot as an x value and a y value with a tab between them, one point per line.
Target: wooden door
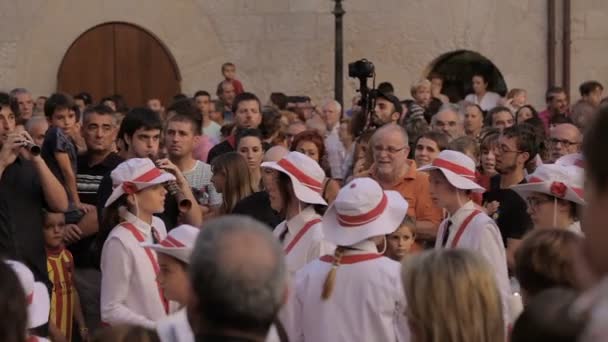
119	58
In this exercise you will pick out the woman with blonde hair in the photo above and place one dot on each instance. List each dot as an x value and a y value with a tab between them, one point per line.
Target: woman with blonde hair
231	178
452	296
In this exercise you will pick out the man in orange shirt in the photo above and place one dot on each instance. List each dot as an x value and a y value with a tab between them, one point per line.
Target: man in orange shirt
393	171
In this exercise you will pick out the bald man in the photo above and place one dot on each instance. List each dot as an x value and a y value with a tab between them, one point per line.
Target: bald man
564	139
257	205
238	281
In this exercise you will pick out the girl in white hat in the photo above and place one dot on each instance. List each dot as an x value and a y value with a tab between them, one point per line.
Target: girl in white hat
354	294
294	185
451	178
130	293
173	259
37	298
553	193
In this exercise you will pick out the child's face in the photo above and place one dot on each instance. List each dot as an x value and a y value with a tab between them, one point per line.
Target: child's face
399	243
64	119
54	225
173	279
229	72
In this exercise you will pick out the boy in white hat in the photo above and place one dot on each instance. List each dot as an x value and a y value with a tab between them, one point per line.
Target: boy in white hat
553	193
173	259
294	190
354	294
37	296
130	293
452	177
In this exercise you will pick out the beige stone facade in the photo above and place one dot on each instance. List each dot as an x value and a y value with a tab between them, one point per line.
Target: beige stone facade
287	45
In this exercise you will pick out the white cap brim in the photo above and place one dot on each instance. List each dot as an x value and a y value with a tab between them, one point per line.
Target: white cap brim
119	191
302	192
386	223
38	310
179	253
457	181
525	190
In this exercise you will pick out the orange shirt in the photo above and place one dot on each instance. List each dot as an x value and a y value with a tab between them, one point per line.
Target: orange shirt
60	265
414	187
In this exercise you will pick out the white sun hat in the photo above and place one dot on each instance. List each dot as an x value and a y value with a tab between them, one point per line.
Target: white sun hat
458	168
574	159
363	210
565	182
306	176
134	175
179	243
36	293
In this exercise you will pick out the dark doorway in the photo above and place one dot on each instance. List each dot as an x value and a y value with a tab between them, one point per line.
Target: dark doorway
119	58
457	69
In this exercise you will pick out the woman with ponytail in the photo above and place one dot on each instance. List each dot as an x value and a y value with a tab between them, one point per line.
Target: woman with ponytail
355	293
130	293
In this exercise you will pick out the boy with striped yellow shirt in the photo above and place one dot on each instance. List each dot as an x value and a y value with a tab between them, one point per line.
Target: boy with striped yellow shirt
65	303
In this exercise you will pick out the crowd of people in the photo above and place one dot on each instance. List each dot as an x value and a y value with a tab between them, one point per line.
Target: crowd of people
229	219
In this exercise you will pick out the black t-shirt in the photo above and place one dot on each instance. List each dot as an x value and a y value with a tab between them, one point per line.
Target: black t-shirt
512	217
57	141
21	219
88	181
257	206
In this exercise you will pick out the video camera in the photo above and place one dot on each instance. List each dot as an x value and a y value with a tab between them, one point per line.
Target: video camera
362	70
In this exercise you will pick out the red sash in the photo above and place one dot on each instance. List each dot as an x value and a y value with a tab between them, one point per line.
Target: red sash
352	259
140	238
463	227
300	234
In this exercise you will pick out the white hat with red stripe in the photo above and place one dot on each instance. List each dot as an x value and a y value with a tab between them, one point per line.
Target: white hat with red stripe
574	159
306	176
565	182
179	243
36	293
134	175
458	168
363	210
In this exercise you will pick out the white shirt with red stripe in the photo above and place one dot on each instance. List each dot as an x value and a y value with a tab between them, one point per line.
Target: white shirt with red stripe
300	248
481	235
367	302
129	292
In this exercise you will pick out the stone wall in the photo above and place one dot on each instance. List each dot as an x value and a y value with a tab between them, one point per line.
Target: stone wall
287	45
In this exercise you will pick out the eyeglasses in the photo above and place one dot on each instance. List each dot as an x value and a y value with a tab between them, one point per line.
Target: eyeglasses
564	142
505	149
534	202
390	149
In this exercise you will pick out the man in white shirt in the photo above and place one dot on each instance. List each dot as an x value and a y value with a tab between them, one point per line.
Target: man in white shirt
202	99
181	135
452	177
332	110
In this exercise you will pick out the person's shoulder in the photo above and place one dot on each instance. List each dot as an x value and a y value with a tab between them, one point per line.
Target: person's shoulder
112	160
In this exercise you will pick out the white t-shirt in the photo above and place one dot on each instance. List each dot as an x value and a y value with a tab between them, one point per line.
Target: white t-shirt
199	178
487	102
213	132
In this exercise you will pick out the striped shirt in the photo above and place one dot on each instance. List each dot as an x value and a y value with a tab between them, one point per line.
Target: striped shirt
60	265
199	178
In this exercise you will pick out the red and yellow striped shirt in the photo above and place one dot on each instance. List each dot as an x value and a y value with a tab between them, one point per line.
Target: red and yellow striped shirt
60	265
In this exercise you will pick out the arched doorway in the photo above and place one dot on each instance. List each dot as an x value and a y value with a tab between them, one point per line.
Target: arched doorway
457	69
119	58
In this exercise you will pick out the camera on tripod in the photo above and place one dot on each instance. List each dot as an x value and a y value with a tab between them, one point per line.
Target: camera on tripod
362	70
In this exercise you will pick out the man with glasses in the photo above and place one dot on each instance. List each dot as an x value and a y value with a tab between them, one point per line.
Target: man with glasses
393	171
564	139
516	146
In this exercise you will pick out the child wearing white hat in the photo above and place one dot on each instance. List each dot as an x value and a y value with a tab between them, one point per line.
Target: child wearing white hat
173	259
130	293
354	294
451	178
295	190
553	193
37	296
